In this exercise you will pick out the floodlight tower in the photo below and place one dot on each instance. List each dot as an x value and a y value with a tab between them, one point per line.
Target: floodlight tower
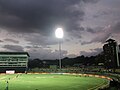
59	34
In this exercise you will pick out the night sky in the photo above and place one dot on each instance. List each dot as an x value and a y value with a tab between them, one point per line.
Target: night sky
29	25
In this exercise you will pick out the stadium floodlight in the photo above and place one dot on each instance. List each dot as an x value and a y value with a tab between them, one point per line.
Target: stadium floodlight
59	34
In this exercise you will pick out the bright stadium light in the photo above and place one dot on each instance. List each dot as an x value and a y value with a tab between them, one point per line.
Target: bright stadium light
59	34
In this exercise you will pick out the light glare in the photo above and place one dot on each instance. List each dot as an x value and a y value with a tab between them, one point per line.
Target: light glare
59	33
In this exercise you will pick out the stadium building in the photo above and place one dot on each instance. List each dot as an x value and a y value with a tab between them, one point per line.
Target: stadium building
111	51
13	61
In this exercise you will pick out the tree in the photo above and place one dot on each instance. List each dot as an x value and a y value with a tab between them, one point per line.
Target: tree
35	63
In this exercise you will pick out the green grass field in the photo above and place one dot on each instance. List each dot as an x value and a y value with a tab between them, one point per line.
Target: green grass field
49	82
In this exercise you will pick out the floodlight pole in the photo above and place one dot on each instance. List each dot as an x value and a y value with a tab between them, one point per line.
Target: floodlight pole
59	35
60	64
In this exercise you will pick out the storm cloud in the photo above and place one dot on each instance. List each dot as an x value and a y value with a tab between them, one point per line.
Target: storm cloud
92	53
14	48
46	53
41	16
12	40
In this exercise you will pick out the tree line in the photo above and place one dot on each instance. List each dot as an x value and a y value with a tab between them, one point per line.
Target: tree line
68	62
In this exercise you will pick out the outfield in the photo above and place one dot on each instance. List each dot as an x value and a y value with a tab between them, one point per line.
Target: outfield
49	82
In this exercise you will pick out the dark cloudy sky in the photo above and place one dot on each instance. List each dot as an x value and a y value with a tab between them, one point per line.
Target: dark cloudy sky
29	25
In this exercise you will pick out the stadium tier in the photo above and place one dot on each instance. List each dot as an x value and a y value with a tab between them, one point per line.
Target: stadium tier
16	61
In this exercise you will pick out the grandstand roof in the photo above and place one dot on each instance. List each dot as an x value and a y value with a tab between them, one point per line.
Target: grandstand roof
16	53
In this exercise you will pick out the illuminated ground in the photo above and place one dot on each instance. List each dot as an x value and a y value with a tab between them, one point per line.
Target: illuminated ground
49	82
